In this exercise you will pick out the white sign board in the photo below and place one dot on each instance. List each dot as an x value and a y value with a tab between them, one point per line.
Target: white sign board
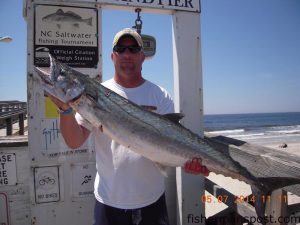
8	171
4	216
83	176
67	32
180	5
53	144
46	184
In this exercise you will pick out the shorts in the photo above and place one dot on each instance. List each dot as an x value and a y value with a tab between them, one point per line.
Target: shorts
154	214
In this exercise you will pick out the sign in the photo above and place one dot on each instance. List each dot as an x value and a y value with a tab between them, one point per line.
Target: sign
83	176
53	144
4	216
46	184
8	171
50	109
51	137
68	33
180	5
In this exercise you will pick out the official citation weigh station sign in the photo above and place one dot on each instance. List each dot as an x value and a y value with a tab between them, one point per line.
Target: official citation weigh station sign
68	33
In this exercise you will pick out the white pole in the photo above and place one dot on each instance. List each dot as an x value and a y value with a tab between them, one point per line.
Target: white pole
188	100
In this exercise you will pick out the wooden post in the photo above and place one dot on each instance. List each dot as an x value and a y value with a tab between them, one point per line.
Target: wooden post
8	122
277	207
21	124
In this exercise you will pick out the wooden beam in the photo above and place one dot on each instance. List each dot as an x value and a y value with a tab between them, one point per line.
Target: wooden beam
277	207
242	208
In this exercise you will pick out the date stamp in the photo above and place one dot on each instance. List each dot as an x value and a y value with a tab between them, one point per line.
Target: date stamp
240	199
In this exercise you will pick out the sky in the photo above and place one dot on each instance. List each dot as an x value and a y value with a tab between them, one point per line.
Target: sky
250	53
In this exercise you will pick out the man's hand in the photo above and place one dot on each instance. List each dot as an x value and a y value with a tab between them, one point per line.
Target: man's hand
61	105
194	166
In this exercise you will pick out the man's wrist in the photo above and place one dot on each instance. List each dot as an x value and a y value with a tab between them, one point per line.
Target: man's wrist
65	112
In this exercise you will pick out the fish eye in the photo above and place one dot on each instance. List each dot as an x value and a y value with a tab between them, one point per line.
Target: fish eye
62	72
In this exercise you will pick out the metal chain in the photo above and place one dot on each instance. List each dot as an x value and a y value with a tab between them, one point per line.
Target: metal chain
138	21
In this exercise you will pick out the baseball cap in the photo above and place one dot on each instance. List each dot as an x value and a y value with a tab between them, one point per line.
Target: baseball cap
128	32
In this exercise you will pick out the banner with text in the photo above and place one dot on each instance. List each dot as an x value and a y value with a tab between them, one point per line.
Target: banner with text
69	33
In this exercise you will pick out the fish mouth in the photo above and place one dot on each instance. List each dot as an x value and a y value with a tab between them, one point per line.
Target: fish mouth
44	75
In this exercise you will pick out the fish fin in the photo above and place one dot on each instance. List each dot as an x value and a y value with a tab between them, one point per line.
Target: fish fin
162	169
76	25
267	185
59	12
174	117
74	15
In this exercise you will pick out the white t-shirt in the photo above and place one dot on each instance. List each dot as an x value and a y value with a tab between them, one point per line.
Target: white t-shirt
124	178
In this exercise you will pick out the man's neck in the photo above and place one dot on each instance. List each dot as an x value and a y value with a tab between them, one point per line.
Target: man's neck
129	83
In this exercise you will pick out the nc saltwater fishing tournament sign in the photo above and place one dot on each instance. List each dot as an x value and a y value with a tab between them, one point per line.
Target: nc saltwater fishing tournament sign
68	33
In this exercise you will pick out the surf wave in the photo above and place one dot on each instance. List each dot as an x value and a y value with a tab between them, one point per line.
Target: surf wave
226	131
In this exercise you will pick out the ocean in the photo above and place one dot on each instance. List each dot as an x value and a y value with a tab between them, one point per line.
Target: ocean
261	128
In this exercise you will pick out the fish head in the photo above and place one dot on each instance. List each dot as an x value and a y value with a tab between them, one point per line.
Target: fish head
62	81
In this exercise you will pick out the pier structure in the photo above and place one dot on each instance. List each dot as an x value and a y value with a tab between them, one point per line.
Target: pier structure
10	113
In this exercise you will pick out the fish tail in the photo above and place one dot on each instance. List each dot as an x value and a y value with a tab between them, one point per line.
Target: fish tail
89	21
264	189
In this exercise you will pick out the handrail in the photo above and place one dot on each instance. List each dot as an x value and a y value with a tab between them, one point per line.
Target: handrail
6	106
10	111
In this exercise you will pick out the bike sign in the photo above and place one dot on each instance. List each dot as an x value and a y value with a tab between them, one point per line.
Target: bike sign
46	184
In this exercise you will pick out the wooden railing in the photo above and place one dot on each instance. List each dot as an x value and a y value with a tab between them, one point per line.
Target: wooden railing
10	113
237	211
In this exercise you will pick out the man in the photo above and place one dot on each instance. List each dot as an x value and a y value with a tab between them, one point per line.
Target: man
129	189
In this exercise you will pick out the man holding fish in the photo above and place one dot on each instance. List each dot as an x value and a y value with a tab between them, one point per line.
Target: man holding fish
129	188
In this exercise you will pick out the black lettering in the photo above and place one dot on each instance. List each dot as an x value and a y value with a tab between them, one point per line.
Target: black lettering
46	33
149	1
203	219
3	173
3	158
188	2
9	158
6	158
40	196
197	219
3	181
177	2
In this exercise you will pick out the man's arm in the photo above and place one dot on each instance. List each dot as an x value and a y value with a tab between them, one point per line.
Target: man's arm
73	133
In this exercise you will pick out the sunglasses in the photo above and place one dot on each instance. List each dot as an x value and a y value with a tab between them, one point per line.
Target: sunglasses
131	48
